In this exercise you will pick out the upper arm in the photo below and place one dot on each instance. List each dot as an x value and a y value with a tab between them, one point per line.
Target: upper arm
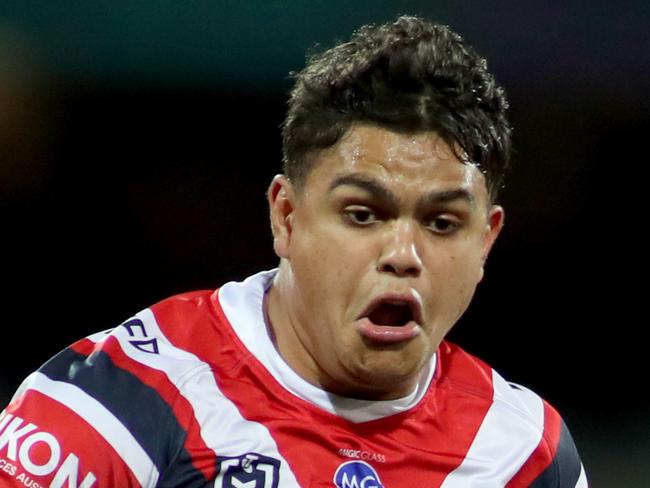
70	424
55	434
555	462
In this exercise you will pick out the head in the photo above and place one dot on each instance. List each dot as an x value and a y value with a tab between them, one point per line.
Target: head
407	76
395	145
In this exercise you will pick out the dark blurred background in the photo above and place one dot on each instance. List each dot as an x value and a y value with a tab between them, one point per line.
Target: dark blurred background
137	140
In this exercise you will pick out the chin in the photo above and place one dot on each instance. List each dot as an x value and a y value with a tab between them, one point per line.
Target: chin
388	371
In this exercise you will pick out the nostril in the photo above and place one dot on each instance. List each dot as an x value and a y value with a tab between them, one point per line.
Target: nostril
386	268
401	258
395	269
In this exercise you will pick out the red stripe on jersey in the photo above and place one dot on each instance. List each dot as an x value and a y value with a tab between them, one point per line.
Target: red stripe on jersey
202	456
543	455
462	395
84	347
189	322
436	433
58	428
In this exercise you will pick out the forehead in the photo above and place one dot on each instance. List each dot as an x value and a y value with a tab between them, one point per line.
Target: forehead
407	162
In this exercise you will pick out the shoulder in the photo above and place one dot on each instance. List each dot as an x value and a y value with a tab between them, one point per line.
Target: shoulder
148	356
122	390
517	425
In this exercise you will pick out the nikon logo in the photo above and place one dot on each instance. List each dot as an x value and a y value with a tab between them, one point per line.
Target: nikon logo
27	452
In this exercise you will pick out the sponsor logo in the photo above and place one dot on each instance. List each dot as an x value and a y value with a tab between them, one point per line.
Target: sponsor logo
141	341
356	474
27	452
363	455
250	470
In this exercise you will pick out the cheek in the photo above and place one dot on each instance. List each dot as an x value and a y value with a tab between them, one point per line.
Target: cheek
333	248
320	265
459	273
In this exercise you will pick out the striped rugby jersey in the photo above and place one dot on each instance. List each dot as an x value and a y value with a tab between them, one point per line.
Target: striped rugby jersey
192	393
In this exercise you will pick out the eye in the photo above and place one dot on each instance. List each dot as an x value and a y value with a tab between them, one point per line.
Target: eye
360	215
444	224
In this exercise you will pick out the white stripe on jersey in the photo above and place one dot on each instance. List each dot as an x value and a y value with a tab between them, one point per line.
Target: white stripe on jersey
221	424
24	386
103	421
582	480
501	446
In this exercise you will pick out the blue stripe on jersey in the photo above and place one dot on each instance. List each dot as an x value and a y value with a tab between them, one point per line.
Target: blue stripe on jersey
565	469
137	406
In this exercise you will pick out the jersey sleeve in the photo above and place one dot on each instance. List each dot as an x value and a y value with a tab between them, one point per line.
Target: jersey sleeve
99	415
67	425
555	462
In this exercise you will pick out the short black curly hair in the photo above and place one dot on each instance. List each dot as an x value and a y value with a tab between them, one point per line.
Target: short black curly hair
410	75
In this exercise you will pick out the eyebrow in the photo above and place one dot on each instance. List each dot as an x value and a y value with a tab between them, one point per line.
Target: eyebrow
379	191
370	185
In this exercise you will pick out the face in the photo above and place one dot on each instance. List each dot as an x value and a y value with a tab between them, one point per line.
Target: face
381	251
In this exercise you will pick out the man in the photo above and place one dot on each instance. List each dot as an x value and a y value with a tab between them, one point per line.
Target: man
331	370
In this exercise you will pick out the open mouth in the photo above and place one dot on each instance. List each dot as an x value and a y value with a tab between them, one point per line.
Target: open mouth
391	314
390	319
393	310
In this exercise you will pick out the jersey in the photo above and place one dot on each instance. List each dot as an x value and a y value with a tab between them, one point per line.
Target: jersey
191	392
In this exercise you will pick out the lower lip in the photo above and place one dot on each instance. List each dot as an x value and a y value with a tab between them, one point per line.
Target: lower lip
387	334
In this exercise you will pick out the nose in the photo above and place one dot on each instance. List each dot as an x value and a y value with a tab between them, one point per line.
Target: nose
400	255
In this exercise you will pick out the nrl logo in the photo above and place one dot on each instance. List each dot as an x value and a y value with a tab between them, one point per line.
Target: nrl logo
249	470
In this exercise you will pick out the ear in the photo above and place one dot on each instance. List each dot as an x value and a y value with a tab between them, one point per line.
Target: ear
281	198
495	219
